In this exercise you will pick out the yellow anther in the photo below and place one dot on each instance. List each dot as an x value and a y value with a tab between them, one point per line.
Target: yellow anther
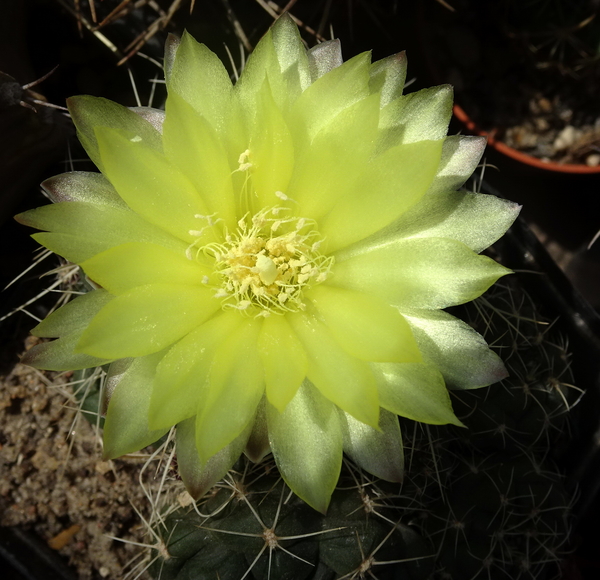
267	263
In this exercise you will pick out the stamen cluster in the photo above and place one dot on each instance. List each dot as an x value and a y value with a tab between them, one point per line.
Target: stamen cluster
268	262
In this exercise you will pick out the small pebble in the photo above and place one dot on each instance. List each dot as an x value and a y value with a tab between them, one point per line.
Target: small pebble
103	467
521	137
185	499
566	115
534	106
593	160
565	138
545	105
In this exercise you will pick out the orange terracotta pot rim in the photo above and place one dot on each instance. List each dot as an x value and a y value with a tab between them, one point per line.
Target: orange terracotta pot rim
517	155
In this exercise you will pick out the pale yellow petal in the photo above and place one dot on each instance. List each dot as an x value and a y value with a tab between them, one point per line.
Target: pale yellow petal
331	94
416	391
197	75
88	113
152	186
391	184
342	378
428	273
365	325
198	478
456	349
284	360
236	387
271	151
329	163
388	76
258	446
307	445
146	319
126	426
379	452
79	230
182	375
196	148
136	264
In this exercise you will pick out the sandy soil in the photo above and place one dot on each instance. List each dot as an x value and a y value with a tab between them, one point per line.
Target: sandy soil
53	479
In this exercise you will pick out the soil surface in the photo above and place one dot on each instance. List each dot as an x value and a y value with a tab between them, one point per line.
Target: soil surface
54	482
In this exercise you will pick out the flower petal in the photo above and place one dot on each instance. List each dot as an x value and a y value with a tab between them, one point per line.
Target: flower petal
461	353
146	319
388	76
68	323
114	374
291	56
340	377
73	248
82	186
379	452
474	219
324	57
419	116
126	426
236	387
330	94
279	57
193	146
73	316
198	478
182	375
364	325
307	445
330	163
284	360
460	157
395	181
198	76
262	64
272	151
156	117
416	391
60	355
88	113
81	230
151	186
124	267
171	46
419	273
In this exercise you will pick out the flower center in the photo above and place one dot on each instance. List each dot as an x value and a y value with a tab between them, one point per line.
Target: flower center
268	262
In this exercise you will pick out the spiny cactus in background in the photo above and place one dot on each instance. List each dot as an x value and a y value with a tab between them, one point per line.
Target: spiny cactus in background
505	510
483	502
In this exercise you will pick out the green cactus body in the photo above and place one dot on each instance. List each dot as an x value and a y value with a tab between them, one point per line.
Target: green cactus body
256	528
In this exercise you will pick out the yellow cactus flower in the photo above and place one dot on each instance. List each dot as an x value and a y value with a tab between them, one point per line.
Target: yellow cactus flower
273	257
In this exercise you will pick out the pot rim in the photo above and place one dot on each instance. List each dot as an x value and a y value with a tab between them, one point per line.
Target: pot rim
515	154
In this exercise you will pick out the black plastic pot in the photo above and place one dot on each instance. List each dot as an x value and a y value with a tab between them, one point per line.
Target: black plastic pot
23	556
